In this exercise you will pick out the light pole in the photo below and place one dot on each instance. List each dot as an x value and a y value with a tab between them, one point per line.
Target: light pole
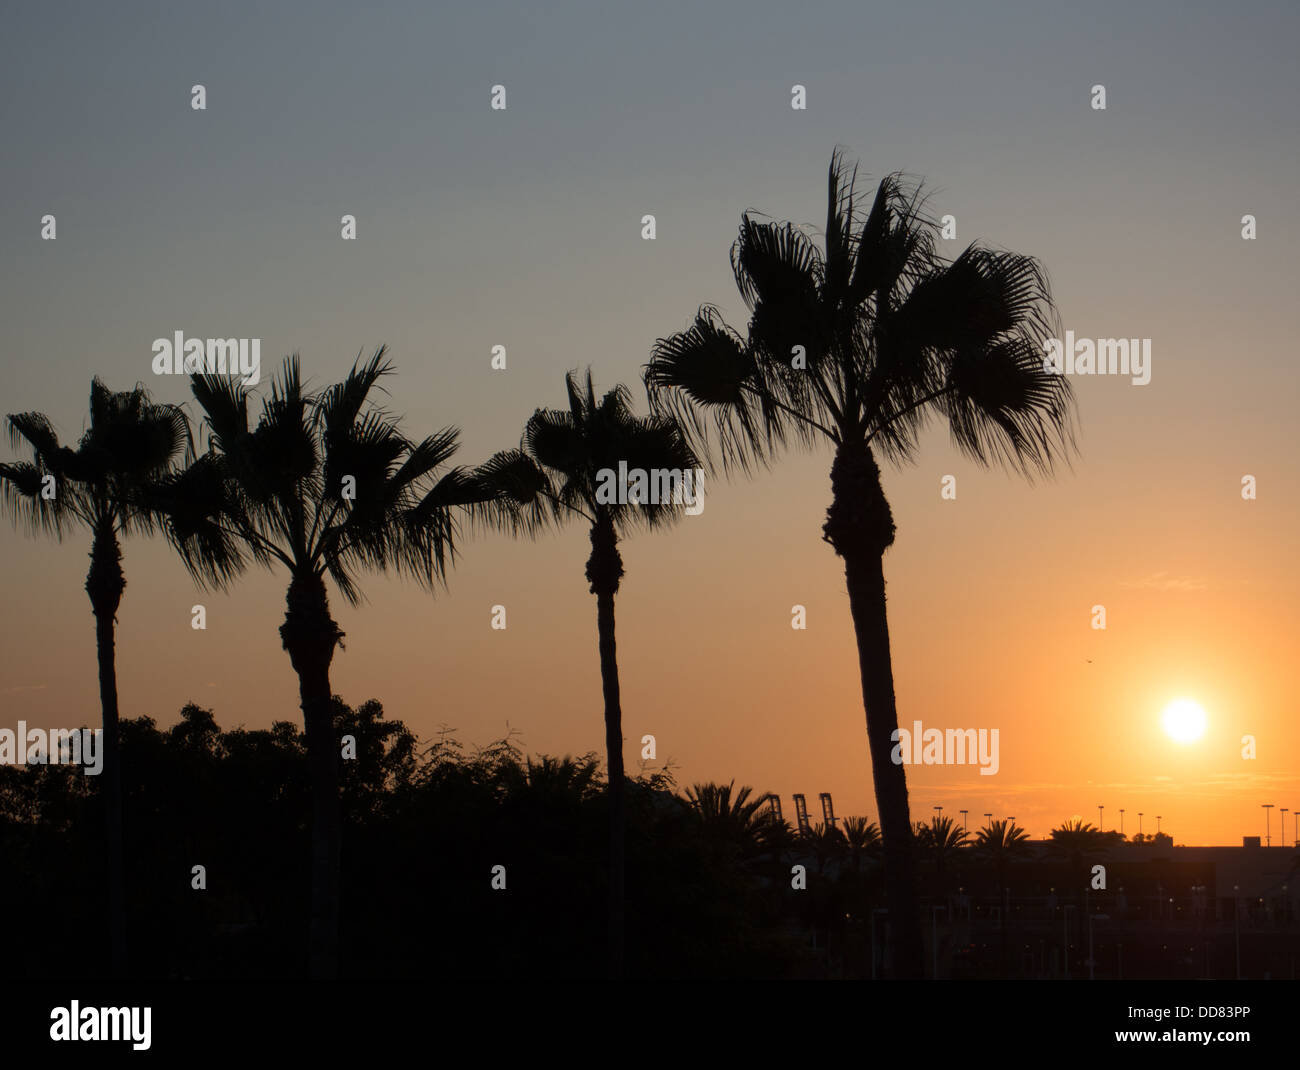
965	812
1065	934
1282	835
1158	824
1267	807
1101	825
1236	923
1121	821
934	938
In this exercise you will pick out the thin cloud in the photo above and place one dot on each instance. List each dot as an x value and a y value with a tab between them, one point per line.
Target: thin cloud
1162	581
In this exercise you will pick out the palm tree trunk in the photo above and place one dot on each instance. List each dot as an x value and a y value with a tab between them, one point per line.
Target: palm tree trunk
105	584
310	635
860	527
604	570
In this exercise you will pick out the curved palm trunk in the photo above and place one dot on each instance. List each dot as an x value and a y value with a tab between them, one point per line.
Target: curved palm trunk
105	584
604	570
310	635
860	527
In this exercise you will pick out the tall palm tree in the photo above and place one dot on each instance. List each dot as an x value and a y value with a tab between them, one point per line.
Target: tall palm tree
566	458
101	486
857	343
324	485
1001	843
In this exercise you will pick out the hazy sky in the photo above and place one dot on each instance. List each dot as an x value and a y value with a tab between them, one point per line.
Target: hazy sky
522	228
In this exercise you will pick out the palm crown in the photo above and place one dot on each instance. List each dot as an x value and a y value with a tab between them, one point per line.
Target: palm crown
323	483
888	332
101	483
564	451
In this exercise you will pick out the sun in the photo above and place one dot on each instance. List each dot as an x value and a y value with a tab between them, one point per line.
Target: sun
1184	720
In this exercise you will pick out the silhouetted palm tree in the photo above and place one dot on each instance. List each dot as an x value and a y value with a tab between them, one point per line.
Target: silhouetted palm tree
1080	845
101	486
857	344
324	484
567	458
942	839
1001	843
738	819
863	839
826	842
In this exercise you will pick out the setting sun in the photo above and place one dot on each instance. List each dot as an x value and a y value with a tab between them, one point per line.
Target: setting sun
1184	720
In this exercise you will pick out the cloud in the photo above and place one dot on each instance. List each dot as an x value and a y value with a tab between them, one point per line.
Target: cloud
1162	581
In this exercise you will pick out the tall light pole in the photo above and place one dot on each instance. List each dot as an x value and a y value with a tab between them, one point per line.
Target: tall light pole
1282	835
1139	822
1157	824
1236	910
1065	934
1121	821
965	812
1101	825
1267	807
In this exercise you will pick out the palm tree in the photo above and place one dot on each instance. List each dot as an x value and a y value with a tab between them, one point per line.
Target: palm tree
324	485
826	842
567	457
942	839
857	343
739	819
1001	843
101	486
1079	844
863	838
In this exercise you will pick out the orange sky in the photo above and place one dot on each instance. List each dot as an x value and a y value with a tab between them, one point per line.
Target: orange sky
522	228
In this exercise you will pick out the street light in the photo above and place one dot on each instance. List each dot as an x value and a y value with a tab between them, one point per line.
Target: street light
1139	822
1121	821
1101	825
1157	824
1267	807
965	812
1282	835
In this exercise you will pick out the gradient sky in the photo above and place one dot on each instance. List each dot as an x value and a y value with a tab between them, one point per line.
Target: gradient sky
521	228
